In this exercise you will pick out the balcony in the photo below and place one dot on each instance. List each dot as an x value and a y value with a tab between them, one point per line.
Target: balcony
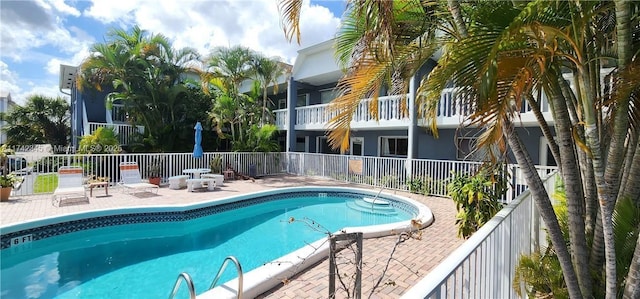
393	114
123	132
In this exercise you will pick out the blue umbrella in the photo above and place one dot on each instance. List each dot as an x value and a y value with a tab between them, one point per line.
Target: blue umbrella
197	148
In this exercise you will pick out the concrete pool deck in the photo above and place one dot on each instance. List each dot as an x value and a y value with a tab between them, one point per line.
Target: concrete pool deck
411	261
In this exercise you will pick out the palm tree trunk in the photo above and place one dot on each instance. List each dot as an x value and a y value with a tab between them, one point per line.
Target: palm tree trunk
572	178
264	105
632	190
456	13
632	284
615	157
546	131
541	199
631	174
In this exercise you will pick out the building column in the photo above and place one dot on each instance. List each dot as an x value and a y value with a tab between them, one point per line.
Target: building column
412	129
292	96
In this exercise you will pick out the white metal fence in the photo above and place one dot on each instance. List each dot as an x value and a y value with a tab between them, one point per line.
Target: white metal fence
389	173
484	266
40	175
393	173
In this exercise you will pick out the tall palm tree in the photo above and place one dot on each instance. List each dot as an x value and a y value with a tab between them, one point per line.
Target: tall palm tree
499	55
267	71
226	68
145	74
40	120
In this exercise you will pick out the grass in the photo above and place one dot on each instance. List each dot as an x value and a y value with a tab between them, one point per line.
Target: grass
45	183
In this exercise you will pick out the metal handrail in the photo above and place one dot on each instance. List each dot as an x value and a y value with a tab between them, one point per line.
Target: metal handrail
189	281
221	270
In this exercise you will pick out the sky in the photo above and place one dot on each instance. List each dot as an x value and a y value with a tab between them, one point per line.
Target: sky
39	35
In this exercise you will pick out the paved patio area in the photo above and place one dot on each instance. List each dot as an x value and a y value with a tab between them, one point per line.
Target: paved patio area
411	261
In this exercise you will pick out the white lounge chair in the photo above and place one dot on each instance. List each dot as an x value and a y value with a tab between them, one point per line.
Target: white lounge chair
70	185
130	178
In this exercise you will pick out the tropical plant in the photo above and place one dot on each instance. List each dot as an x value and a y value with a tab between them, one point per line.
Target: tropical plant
102	141
477	199
500	55
145	74
236	115
542	274
419	185
154	169
216	164
266	72
41	120
541	271
7	179
259	139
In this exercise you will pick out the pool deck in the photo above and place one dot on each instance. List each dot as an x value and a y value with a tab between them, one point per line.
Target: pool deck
411	261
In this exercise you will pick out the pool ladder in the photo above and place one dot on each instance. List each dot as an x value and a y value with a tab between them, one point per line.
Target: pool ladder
192	290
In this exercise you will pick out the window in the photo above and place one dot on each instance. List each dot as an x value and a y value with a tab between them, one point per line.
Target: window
301	145
324	148
327	95
282	104
468	150
302	100
394	146
355	148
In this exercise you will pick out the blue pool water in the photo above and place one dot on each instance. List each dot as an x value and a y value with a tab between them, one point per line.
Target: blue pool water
143	260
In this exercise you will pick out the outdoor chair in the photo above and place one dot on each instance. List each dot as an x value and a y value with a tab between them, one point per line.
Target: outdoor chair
130	178
70	185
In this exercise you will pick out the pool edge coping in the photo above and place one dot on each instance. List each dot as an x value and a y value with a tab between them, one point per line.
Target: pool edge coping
268	276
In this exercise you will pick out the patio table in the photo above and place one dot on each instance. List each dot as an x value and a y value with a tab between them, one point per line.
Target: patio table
196	172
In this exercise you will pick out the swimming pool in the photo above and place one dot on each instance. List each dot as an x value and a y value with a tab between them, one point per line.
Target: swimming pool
116	253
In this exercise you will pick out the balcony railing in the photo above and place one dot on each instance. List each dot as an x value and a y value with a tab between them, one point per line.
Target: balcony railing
393	113
123	132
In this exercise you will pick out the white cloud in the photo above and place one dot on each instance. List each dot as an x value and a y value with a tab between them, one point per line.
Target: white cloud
62	7
31	26
9	83
204	25
45	32
53	65
8	80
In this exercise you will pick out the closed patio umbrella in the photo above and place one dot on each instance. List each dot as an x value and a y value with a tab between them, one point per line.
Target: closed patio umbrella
197	147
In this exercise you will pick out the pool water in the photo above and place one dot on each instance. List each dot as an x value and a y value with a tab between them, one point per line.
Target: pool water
144	260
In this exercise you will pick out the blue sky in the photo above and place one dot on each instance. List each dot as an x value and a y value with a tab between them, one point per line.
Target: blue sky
39	35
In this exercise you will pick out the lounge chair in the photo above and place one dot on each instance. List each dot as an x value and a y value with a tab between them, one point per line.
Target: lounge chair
70	185
130	178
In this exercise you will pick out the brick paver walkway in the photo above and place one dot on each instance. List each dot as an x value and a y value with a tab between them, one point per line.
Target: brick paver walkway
412	259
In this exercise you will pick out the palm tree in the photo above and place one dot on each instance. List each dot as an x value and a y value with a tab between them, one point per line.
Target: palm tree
499	55
41	120
146	75
267	71
232	65
226	69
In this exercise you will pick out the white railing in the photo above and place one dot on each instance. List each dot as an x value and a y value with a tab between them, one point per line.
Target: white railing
40	176
391	173
124	132
484	266
391	112
118	113
280	118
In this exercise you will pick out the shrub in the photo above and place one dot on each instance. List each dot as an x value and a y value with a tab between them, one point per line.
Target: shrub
476	198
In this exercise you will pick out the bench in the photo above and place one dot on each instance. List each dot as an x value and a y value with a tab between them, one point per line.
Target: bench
197	183
178	182
217	177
